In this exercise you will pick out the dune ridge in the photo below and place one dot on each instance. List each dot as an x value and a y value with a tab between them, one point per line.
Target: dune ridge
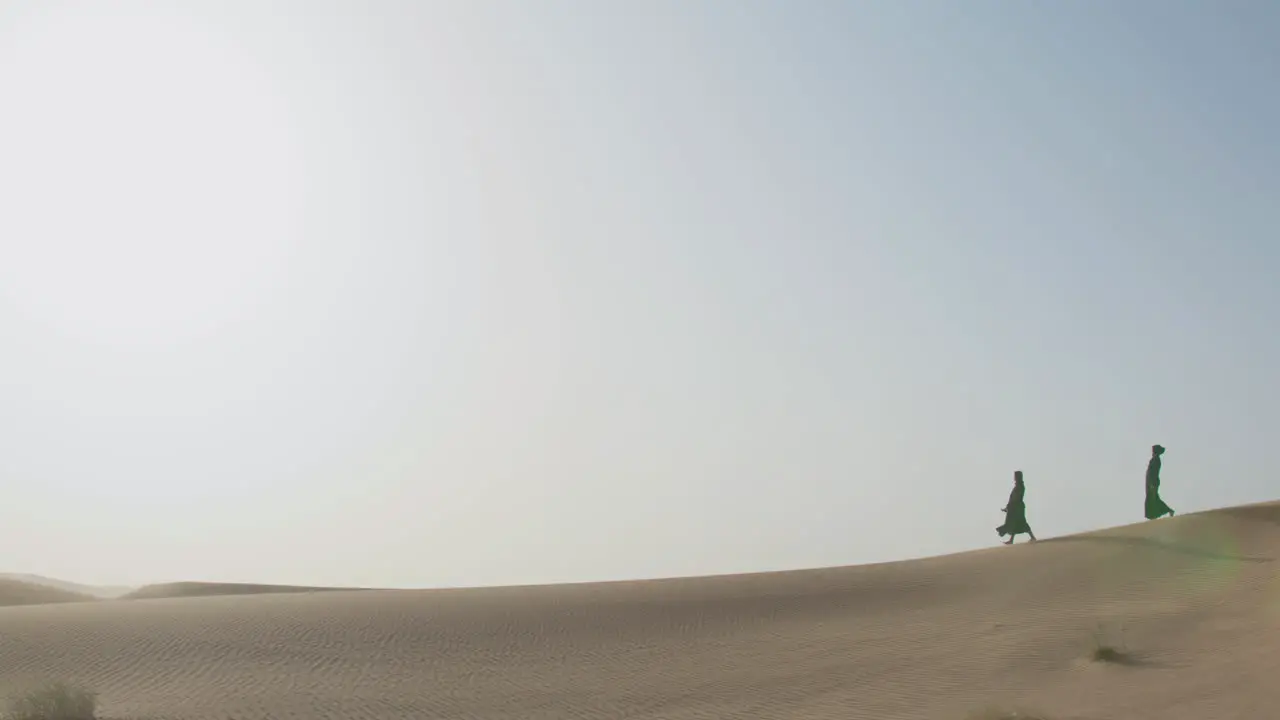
98	591
1194	601
203	589
20	592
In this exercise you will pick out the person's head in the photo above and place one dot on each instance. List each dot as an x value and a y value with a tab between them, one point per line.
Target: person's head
1157	450
1017	477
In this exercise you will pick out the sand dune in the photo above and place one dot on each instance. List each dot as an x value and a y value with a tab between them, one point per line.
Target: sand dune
203	589
19	592
99	591
1194	599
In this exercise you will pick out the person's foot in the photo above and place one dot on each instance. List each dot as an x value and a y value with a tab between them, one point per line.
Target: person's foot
1171	512
1009	541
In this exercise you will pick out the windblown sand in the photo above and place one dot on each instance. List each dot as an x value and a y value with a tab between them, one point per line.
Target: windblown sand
1194	601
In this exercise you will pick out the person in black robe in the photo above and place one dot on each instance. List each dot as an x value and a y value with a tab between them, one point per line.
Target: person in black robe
1155	507
1015	513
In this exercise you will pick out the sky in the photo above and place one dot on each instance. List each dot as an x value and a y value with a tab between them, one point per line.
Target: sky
402	293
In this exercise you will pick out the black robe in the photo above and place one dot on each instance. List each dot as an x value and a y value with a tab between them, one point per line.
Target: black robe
1015	513
1154	506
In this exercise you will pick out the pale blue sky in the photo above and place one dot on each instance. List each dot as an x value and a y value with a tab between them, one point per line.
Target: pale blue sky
417	294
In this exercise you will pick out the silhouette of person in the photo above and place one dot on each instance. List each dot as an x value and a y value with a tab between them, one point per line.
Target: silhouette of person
1155	507
1015	513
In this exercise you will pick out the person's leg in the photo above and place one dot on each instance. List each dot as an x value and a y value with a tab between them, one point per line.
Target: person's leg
1032	534
1010	540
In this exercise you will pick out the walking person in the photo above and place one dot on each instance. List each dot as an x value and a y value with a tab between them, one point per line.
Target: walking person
1015	513
1154	506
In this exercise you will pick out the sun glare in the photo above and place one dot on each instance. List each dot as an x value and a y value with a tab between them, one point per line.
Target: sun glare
150	176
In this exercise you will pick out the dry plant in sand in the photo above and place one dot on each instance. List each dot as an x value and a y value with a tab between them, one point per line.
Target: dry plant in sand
1109	651
1003	714
58	701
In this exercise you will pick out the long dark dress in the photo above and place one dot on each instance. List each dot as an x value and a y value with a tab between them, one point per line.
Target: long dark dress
1015	513
1155	507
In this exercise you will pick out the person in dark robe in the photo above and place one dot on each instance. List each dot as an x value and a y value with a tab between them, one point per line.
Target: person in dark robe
1155	507
1015	513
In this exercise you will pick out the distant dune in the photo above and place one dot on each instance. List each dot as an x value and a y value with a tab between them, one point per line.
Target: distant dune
201	589
1188	607
18	592
100	591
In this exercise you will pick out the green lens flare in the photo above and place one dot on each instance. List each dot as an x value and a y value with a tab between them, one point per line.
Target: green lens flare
1191	557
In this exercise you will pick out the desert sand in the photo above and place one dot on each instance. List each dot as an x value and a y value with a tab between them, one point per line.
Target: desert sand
1194	601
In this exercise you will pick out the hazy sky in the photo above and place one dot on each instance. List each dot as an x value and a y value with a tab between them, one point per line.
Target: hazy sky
480	292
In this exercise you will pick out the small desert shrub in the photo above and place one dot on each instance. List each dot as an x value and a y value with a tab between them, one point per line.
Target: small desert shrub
1109	652
59	701
1106	653
1003	714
